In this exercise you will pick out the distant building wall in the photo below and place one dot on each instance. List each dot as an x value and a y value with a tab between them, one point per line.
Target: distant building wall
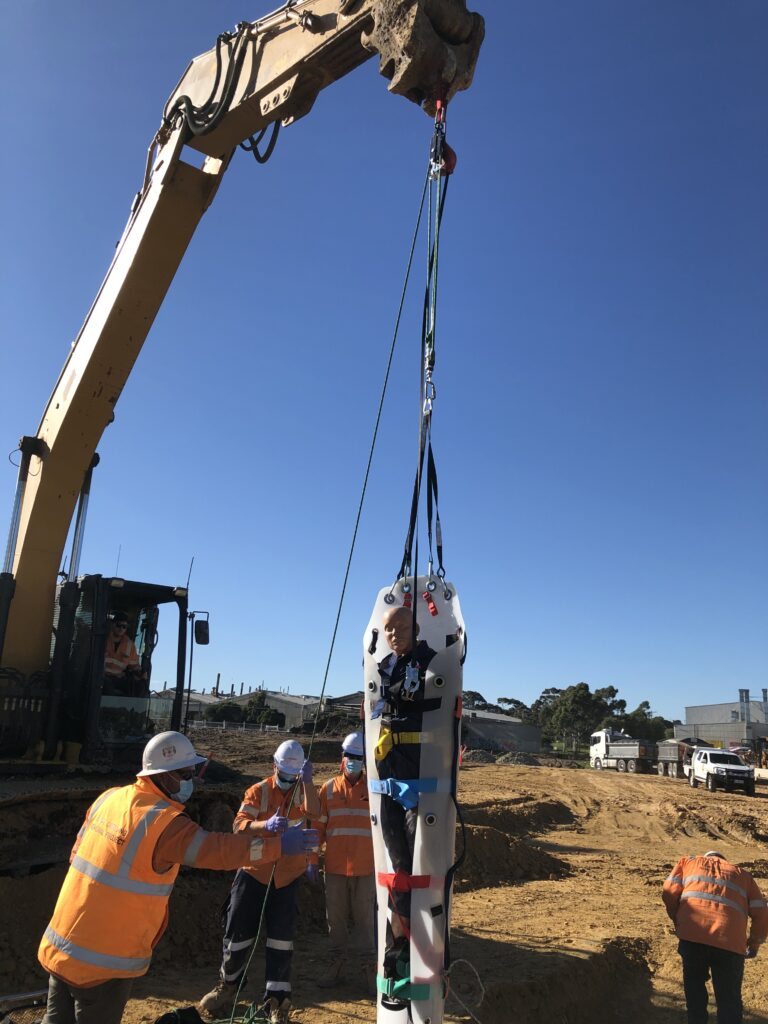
492	734
705	714
723	734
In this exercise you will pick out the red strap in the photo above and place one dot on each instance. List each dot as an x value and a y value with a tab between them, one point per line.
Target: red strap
401	881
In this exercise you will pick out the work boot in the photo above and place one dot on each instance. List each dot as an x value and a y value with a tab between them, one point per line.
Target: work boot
279	1010
222	997
335	975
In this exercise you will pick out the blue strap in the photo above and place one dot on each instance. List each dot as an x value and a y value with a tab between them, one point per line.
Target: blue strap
404	791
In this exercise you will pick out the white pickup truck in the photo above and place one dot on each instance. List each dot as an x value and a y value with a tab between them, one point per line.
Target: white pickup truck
720	769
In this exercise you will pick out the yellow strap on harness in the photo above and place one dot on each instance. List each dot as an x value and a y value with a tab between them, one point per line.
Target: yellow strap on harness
388	739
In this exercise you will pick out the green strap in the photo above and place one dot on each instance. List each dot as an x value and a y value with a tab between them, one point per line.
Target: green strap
402	988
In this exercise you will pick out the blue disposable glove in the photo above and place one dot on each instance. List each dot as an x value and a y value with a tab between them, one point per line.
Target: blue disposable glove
312	873
306	773
276	825
297	840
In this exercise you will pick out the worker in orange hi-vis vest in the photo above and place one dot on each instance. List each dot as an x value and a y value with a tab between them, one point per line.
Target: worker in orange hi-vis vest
711	902
278	804
350	891
121	660
113	905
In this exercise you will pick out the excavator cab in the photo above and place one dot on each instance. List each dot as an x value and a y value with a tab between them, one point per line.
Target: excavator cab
98	703
105	635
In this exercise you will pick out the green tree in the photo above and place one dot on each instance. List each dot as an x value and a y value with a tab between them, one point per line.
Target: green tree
516	708
541	709
474	701
575	713
224	711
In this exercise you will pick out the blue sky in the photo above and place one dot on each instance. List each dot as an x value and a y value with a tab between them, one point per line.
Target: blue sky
602	370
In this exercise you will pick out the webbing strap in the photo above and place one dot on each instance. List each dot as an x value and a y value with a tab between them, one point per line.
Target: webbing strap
432	496
401	881
404	791
402	988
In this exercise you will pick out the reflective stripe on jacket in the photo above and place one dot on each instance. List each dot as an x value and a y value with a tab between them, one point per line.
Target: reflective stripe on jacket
260	803
117	660
113	905
713	901
345	826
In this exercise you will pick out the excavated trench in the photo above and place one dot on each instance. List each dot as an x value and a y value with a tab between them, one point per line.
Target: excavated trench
609	981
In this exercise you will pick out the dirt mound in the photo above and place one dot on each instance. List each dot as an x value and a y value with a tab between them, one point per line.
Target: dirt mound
478	757
493	858
521	817
572	986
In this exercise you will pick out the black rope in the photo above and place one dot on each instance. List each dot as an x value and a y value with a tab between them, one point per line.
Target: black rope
405	565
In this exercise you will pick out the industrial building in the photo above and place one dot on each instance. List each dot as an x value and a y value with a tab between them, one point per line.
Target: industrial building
488	730
732	724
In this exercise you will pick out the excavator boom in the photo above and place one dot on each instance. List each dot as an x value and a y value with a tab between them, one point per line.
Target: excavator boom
265	72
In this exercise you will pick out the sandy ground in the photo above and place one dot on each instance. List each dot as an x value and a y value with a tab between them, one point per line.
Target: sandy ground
557	904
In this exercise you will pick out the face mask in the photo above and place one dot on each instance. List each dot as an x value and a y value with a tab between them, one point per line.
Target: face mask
353	766
186	789
285	782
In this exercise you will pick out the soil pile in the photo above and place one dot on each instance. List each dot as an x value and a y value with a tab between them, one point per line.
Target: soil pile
493	858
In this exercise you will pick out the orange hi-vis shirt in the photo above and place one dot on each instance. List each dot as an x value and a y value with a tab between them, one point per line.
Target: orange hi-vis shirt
713	901
113	905
345	826
259	804
121	657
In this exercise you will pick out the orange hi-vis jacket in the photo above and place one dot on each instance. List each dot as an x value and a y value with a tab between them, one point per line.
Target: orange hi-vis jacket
113	905
259	804
116	661
345	826
712	901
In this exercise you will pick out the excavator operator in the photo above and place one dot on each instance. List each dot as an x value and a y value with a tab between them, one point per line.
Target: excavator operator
123	675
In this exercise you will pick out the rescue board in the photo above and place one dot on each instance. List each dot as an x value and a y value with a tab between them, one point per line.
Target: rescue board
441	628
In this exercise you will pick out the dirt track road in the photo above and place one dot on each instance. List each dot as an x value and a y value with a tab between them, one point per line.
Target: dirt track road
557	904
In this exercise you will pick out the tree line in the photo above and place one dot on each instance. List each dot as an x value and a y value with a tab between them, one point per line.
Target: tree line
574	712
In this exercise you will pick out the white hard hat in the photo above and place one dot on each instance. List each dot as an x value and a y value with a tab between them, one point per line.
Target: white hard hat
167	752
353	744
289	757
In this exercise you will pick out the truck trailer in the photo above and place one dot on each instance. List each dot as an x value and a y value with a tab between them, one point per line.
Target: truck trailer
610	749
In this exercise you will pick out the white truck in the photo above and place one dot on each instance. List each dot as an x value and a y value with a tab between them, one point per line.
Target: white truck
720	769
610	749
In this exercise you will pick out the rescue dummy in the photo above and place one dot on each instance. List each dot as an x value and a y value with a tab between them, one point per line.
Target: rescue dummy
414	652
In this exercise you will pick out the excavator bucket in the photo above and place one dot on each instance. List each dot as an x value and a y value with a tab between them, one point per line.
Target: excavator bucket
427	48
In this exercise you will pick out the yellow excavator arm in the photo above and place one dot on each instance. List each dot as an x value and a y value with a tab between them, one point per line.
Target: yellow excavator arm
264	73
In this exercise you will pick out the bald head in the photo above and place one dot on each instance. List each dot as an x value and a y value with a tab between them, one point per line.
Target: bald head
398	629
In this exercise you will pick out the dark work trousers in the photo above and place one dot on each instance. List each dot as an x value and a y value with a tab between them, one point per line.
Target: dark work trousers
243	913
726	970
99	1004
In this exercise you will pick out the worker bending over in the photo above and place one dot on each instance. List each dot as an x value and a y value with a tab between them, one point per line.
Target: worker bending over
284	797
711	901
113	905
350	890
